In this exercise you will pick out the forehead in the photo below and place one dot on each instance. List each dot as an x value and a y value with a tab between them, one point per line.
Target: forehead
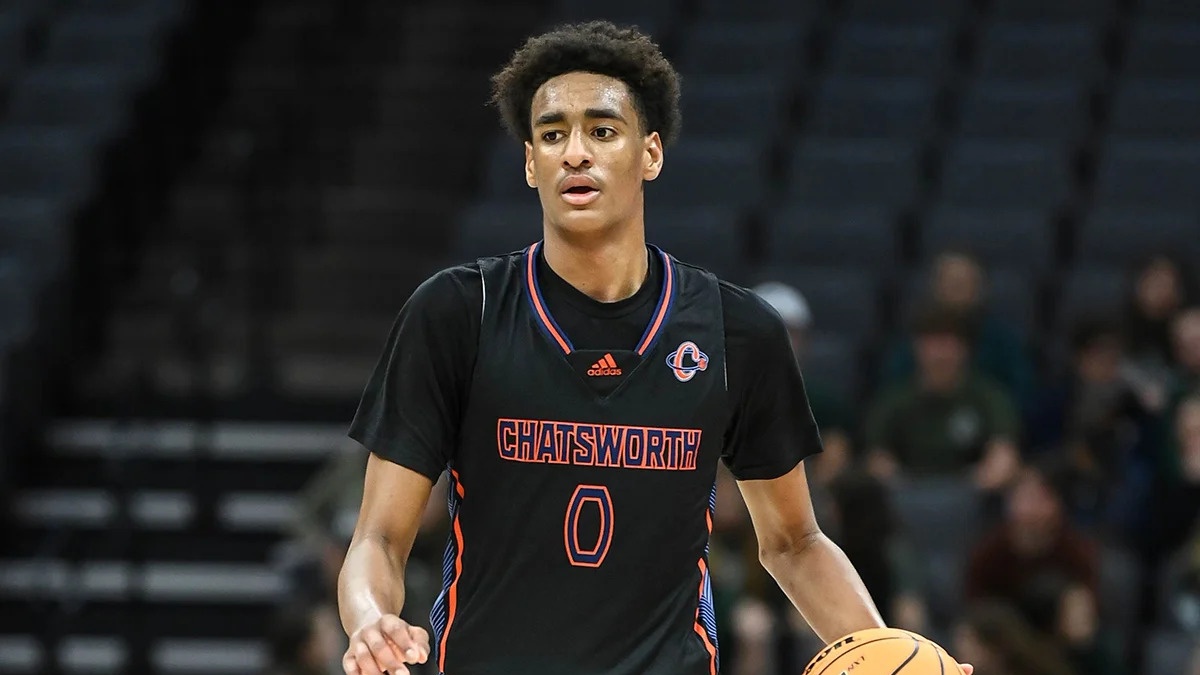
579	91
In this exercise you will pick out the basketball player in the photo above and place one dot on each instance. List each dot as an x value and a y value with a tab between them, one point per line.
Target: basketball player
580	393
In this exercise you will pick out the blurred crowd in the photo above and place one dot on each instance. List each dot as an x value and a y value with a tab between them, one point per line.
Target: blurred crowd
1083	446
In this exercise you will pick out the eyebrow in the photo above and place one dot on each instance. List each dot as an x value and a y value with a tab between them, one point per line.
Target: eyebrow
591	113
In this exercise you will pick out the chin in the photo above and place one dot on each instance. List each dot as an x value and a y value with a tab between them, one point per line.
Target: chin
581	222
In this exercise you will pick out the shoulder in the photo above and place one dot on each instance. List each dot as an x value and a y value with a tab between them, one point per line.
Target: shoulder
986	388
896	394
448	290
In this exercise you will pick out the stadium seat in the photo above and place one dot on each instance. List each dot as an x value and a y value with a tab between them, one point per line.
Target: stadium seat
810	235
706	237
35	231
1169	651
1114	236
732	108
1013	238
1149	174
1024	110
905	12
1163	109
833	360
492	227
854	173
1159	50
1040	52
656	14
1170	10
884	50
12	44
712	173
756	49
942	581
51	163
95	101
938	514
853	107
736	11
1005	174
128	41
1060	10
1088	292
17	301
1120	580
846	299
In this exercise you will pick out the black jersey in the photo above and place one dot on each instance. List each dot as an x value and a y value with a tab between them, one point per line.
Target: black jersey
582	471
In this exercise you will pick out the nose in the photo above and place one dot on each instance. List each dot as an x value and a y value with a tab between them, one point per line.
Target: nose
576	154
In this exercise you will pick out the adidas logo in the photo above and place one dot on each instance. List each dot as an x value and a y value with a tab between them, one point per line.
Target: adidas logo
606	366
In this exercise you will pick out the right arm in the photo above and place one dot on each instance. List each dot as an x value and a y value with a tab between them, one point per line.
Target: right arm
408	418
371	584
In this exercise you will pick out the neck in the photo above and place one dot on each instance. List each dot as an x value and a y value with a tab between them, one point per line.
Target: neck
606	270
942	383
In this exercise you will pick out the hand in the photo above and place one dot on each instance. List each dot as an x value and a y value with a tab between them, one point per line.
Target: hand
384	646
1000	464
883	465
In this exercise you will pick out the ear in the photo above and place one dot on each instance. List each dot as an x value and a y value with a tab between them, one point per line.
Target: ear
652	157
530	176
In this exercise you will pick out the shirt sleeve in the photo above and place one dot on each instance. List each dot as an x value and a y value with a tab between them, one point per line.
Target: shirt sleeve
772	427
878	425
1003	413
410	411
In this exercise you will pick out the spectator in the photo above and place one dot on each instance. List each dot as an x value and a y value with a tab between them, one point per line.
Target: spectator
1185	380
305	640
829	410
1159	291
996	639
1096	419
1176	507
1036	560
958	282
947	418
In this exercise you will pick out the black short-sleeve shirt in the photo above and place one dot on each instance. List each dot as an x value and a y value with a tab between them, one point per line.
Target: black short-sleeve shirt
582	502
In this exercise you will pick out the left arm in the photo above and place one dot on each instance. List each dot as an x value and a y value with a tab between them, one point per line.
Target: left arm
812	570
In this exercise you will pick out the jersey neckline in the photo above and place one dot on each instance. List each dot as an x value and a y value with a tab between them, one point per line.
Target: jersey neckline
558	337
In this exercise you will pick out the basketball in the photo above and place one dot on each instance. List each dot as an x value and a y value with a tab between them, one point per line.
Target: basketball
883	651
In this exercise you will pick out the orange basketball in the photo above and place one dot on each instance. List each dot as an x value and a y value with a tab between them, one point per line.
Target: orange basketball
883	651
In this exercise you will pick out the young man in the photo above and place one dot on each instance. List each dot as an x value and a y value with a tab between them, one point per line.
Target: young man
580	393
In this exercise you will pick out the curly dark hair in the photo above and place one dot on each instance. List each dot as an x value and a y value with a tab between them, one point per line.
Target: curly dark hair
595	47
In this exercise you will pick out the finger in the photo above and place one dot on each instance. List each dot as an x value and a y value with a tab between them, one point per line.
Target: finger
366	662
967	668
396	630
385	656
420	638
397	633
350	664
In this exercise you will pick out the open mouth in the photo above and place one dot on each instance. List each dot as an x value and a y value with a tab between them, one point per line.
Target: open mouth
580	195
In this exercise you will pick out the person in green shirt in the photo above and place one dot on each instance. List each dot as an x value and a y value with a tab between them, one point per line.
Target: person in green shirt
959	282
946	419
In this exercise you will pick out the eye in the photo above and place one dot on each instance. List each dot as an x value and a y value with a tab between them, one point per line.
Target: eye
605	132
551	136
